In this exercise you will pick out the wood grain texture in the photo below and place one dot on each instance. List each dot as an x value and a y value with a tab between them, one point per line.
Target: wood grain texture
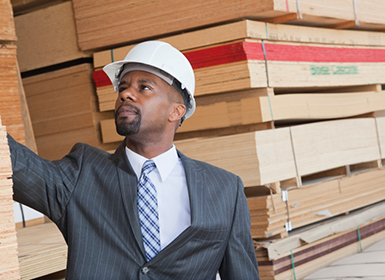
9	265
103	23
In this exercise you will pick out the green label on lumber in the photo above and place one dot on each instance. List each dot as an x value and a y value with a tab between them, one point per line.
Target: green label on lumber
333	70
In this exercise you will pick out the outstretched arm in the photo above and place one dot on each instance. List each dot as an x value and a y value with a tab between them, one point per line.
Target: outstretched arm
39	183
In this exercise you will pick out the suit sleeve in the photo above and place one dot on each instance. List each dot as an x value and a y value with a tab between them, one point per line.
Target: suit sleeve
42	184
240	261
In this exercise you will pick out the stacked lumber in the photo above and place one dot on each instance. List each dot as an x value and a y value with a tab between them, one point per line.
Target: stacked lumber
103	23
10	106
297	156
63	110
42	250
312	247
234	68
295	151
9	265
47	37
363	265
13	107
7	27
253	56
272	214
260	106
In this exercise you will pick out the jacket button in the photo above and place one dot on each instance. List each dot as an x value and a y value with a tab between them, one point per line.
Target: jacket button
145	270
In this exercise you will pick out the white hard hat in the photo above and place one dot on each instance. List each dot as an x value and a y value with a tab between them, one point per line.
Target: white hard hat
162	60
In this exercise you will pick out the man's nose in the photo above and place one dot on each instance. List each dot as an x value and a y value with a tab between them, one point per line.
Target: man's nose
127	94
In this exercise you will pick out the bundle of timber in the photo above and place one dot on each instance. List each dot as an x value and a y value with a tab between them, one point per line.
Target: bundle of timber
63	110
366	264
10	105
47	37
9	265
295	151
275	214
42	251
310	248
104	23
7	27
238	61
304	159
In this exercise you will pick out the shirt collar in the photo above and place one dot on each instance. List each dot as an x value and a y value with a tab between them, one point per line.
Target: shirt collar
165	162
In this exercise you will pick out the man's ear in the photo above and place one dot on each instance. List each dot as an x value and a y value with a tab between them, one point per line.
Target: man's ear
178	113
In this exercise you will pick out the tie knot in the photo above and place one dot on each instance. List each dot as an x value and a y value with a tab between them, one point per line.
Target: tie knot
148	166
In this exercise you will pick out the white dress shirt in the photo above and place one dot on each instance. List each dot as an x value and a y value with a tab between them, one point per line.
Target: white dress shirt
170	182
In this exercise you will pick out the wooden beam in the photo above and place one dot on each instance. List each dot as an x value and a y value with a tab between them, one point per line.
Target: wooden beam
283	18
343	25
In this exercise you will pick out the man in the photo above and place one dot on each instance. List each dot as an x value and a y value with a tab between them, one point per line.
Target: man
176	219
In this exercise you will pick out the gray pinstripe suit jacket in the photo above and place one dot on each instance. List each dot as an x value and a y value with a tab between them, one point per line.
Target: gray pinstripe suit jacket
91	196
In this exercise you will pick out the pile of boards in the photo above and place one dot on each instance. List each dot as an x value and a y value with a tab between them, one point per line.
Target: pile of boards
308	249
289	97
61	98
9	264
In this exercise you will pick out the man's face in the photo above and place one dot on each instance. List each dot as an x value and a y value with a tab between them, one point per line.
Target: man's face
143	105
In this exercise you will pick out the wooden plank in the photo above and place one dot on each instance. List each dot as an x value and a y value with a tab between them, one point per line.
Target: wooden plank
317	147
10	105
307	205
380	122
253	156
350	271
94	35
309	258
63	110
7	26
27	6
42	250
29	134
326	229
9	266
325	145
320	106
47	37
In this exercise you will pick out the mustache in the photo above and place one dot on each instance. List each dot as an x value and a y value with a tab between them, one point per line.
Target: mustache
127	106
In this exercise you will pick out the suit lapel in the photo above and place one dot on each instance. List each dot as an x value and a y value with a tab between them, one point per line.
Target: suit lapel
195	178
128	183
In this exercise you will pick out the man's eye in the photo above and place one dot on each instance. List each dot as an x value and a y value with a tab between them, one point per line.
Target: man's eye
144	87
121	89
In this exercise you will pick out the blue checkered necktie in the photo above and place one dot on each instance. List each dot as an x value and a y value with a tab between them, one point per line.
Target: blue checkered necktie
148	211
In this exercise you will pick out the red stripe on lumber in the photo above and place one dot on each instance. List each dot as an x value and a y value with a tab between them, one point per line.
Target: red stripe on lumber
241	51
278	52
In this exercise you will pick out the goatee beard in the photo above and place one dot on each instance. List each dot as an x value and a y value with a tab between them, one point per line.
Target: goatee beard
126	128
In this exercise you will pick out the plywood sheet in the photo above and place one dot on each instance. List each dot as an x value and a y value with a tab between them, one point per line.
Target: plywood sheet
7	26
9	266
10	105
63	110
326	145
254	156
47	37
42	250
97	22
